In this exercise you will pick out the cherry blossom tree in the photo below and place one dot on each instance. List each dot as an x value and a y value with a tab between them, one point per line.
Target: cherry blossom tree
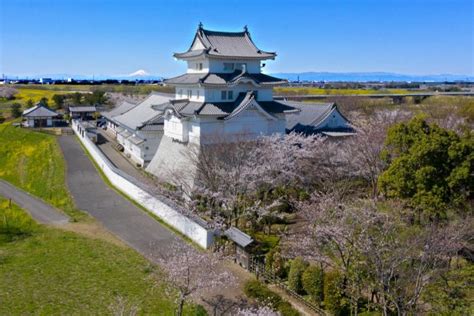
361	153
192	272
257	311
378	252
8	92
230	175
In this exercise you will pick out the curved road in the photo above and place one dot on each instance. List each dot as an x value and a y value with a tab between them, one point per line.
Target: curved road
38	209
116	213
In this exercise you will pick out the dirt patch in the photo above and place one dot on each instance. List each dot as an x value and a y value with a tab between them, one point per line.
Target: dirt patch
93	230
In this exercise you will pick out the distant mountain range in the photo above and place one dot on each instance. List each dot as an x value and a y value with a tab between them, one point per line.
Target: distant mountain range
301	76
136	75
369	76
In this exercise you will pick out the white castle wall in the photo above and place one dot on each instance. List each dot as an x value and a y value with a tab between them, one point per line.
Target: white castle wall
191	228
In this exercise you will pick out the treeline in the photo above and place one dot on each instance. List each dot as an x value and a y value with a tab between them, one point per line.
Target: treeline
60	101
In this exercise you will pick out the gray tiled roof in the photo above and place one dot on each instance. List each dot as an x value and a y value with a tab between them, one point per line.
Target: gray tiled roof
120	109
39	111
223	78
82	109
226	44
239	237
155	124
143	112
310	117
135	140
224	109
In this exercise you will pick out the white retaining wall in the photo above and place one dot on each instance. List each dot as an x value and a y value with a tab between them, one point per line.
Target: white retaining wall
197	232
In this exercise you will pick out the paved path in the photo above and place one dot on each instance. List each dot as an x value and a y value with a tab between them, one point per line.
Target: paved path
116	213
120	216
39	210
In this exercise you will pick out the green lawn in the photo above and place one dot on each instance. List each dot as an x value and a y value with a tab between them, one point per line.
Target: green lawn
46	271
34	162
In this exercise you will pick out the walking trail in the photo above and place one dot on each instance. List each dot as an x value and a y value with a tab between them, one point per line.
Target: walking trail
39	210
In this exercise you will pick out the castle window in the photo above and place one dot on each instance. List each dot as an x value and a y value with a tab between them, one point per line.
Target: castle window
190	94
200	66
197	94
227	95
229	66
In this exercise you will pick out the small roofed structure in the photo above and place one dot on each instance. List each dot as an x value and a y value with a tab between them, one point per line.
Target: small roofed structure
84	113
242	243
39	116
318	118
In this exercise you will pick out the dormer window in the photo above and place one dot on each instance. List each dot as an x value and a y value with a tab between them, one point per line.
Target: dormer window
198	66
229	66
227	95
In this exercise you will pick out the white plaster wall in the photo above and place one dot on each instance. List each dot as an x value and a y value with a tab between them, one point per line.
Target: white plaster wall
193	65
214	95
176	129
183	224
248	124
217	65
149	147
198	94
135	153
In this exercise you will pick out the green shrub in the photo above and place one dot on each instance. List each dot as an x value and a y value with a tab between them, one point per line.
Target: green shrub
298	265
334	298
313	282
15	110
256	290
275	263
2	119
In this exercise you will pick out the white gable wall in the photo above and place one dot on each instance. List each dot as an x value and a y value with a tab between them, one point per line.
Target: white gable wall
333	120
249	124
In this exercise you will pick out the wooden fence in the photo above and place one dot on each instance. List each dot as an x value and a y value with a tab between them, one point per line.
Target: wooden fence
257	267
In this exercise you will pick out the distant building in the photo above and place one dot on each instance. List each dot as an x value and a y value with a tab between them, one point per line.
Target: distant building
84	113
39	116
45	80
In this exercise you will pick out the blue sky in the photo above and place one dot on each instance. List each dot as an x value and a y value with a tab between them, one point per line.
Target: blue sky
119	37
